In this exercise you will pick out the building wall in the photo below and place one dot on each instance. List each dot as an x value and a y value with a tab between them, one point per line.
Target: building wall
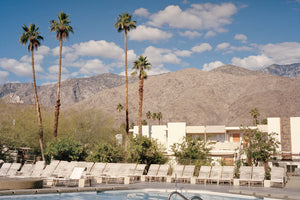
274	127
159	132
176	132
295	134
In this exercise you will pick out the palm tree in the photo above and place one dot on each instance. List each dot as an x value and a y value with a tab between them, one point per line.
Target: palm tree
120	108
255	114
154	116
125	24
62	28
159	117
141	64
32	35
148	115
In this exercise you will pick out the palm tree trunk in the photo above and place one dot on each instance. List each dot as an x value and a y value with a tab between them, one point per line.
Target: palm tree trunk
58	92
37	108
126	83
141	85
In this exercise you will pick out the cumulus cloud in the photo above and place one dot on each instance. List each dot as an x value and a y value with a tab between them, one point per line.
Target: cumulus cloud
142	33
201	48
142	12
3	76
222	46
54	69
209	34
157	56
18	68
190	34
280	53
212	65
94	66
243	38
198	16
183	53
65	50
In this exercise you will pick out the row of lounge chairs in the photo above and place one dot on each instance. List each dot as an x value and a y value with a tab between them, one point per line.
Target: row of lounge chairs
69	173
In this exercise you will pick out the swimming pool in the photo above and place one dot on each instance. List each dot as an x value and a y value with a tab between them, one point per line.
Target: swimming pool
146	194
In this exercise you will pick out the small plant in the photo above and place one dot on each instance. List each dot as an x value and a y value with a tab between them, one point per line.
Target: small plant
105	153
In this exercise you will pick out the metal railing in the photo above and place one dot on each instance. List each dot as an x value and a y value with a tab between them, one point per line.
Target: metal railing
183	197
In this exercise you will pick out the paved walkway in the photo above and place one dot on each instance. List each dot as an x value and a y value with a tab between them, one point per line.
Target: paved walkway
260	192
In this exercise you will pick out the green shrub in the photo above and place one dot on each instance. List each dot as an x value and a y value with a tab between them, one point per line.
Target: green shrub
144	150
105	153
65	149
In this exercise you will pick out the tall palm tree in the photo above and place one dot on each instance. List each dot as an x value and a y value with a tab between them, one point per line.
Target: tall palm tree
120	107
62	28
149	115
141	64
255	114
32	36
159	117
154	116
124	23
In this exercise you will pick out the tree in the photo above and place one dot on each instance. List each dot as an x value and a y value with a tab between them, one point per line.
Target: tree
132	125
141	64
148	115
159	117
120	108
154	116
62	28
260	146
192	150
124	23
144	122
144	150
255	114
105	153
32	36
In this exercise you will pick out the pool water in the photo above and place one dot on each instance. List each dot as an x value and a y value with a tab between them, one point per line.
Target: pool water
129	195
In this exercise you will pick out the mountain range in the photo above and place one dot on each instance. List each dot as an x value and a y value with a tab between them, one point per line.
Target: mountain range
222	96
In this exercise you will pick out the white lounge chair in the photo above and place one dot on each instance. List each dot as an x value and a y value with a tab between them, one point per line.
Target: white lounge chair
4	169
227	174
215	174
97	171
49	169
277	176
187	174
13	169
245	174
26	170
152	172
73	180
204	174
176	173
138	173
38	169
258	175
162	173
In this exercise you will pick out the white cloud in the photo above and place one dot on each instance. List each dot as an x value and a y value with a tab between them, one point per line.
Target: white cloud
143	12
212	65
18	68
280	53
94	66
54	70
252	62
99	48
201	48
38	59
190	34
3	76
43	50
222	46
243	38
209	34
198	16
157	56
65	49
183	53
142	33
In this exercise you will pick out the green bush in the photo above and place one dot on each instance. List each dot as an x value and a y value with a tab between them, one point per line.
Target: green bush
65	149
105	153
144	150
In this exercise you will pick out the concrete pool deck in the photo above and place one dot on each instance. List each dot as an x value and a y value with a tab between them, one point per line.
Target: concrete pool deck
260	192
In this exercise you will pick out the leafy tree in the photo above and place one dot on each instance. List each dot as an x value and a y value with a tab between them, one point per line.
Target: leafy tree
154	116
144	150
144	122
62	28
105	153
120	108
148	115
65	149
255	114
192	150
132	125
141	64
264	121
260	146
159	117
124	23
32	36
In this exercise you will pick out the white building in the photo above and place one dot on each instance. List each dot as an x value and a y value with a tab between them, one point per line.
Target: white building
228	139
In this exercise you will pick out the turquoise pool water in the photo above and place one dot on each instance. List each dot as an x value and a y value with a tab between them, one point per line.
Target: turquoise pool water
129	195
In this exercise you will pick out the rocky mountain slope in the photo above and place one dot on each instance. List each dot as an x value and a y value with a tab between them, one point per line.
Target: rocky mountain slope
290	71
206	98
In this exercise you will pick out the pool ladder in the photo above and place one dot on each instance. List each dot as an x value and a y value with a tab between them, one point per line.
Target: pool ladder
183	197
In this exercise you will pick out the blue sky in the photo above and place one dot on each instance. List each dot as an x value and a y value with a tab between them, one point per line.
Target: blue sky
173	34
